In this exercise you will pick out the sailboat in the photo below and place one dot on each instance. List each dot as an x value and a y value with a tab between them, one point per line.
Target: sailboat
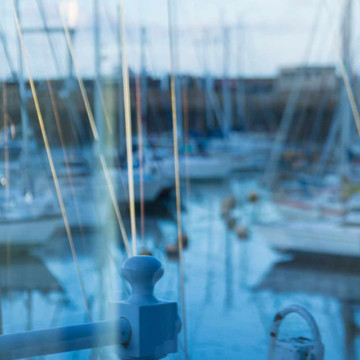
152	181
27	222
246	151
28	216
332	226
197	166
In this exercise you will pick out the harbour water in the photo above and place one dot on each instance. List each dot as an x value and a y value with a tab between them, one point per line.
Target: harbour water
233	287
134	128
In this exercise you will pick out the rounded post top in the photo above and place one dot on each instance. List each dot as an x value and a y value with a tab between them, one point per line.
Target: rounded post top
142	272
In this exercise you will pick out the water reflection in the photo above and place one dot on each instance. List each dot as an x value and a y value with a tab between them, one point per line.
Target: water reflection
331	279
26	283
233	287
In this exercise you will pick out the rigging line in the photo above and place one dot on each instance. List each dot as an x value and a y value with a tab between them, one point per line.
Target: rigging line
114	201
128	130
57	117
41	9
98	81
186	137
120	97
1	314
351	96
6	140
177	173
345	76
6	158
141	158
80	81
6	53
287	117
58	72
63	147
210	96
112	26
320	115
104	107
54	56
50	159
96	138
7	192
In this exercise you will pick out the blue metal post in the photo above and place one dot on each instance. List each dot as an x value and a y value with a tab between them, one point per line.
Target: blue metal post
155	324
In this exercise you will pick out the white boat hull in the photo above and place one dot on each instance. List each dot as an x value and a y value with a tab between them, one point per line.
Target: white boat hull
318	238
153	185
151	188
198	168
30	232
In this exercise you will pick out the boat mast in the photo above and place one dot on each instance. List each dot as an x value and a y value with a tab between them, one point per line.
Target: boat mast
97	80
7	54
69	82
208	83
178	77
120	90
23	111
330	143
346	109
240	84
226	95
143	80
288	114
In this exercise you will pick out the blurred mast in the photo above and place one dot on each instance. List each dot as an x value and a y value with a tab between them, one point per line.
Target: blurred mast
346	109
67	89
240	83
120	90
98	82
24	95
143	72
141	106
177	76
208	84
226	94
289	111
7	54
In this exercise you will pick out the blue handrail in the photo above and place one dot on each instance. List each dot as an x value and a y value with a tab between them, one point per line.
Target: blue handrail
64	339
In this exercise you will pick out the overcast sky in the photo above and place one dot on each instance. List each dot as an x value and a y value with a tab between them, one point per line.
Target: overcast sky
265	34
